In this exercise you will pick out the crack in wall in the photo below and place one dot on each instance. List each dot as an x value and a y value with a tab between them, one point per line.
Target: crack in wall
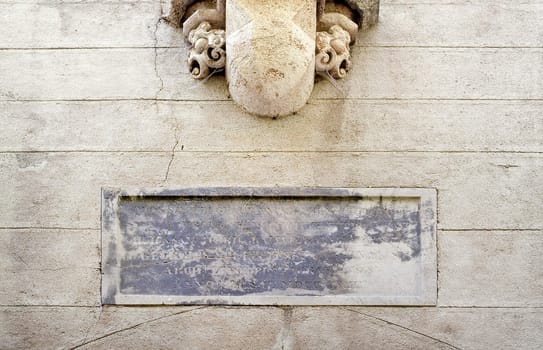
93	340
171	159
93	325
286	332
155	39
176	131
381	320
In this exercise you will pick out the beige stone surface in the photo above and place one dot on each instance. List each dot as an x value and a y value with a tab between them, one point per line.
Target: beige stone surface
66	185
443	94
378	72
467	328
353	125
440	73
490	268
476	268
71	24
206	329
270	328
27	327
67	327
416	328
339	328
49	267
456	23
141	328
78	74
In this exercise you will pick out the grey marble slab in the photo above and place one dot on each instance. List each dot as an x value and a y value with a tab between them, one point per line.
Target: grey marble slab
269	246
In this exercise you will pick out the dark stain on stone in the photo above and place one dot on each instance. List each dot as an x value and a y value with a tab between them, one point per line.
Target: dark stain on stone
237	246
390	226
108	212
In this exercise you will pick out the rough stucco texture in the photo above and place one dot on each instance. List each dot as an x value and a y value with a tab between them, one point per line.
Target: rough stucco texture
444	95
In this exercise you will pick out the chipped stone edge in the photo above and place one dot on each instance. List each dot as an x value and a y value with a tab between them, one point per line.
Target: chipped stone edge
111	242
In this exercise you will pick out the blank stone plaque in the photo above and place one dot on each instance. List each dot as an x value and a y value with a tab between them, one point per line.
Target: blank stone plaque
269	246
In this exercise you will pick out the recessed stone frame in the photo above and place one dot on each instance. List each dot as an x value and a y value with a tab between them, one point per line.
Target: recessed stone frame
269	246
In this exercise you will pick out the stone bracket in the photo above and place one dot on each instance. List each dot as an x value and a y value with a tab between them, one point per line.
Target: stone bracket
333	53
204	30
215	17
263	48
208	50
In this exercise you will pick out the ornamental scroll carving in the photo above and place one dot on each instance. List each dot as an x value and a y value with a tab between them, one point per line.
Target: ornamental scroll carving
271	50
333	54
208	50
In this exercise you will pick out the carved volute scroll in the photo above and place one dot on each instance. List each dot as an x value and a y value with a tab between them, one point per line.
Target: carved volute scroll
208	50
333	55
270	50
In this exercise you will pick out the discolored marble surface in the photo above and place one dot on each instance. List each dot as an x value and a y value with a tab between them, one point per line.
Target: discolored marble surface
269	246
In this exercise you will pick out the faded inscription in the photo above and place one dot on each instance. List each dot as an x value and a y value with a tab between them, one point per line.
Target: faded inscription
235	248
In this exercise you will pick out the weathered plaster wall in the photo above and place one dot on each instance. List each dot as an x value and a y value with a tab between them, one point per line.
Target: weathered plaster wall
443	94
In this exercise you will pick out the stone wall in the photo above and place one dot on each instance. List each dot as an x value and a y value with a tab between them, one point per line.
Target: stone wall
442	94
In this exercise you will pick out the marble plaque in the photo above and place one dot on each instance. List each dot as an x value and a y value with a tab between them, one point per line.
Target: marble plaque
269	246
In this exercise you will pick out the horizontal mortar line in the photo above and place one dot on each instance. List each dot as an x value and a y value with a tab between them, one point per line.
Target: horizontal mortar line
75	2
536	47
385	3
312	100
52	269
134	99
465	3
452	47
50	228
241	307
96	306
450	2
438	229
128	2
446	46
489	307
98	228
53	228
58	48
238	152
425	99
490	229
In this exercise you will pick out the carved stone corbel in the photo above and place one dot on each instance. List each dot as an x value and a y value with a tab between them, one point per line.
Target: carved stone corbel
204	30
271	49
208	50
336	31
